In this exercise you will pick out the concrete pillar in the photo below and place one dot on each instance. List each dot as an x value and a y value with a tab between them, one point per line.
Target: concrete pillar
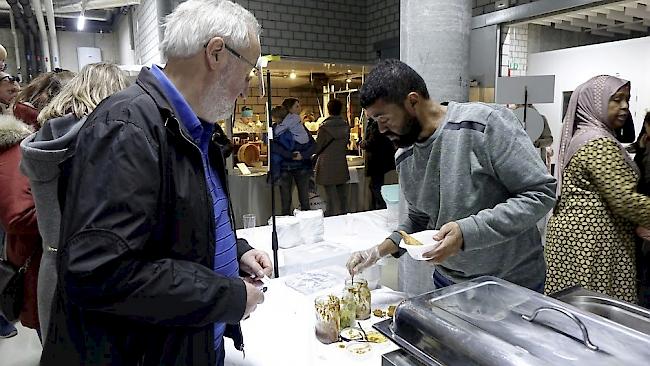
434	40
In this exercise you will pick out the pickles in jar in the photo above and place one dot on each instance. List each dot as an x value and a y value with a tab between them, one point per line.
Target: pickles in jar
359	289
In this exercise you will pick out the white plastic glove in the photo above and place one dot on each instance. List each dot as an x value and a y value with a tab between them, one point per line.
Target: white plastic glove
362	260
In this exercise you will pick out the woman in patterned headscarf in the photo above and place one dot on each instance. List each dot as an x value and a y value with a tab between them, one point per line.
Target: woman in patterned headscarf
590	238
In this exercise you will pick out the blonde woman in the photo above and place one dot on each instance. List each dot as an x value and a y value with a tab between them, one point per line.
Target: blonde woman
45	151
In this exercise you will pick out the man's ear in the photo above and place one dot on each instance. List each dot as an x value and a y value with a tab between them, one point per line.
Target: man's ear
212	52
411	102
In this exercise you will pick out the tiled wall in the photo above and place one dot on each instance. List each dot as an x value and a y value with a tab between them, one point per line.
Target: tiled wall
146	32
514	52
331	30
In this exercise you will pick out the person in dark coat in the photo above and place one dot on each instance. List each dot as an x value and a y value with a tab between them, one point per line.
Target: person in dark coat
291	153
642	160
150	268
332	165
380	159
42	152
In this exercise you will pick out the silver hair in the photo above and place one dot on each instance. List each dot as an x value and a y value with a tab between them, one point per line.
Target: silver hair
194	22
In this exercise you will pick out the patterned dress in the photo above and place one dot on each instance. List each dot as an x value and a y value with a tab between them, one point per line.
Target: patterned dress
590	238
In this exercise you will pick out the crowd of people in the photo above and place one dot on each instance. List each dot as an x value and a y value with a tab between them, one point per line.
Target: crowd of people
115	197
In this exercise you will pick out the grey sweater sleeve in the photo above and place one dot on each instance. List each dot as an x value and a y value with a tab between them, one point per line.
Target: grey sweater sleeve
413	223
516	164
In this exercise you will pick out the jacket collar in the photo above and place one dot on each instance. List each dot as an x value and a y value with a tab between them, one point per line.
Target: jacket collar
12	131
148	81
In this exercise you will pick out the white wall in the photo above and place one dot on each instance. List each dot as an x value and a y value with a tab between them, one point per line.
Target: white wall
69	41
627	59
123	37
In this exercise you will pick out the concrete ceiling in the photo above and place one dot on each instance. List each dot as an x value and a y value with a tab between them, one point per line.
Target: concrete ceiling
610	20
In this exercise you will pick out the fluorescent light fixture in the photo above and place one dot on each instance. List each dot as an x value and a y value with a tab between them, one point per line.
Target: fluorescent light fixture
81	22
292	75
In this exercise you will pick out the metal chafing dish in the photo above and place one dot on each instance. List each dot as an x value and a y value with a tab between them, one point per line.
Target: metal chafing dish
488	321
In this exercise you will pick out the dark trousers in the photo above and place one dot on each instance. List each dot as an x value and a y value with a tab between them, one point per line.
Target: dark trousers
337	195
377	201
301	177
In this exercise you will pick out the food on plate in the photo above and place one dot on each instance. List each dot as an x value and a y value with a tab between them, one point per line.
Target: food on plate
352	334
375	337
391	310
408	239
379	313
359	348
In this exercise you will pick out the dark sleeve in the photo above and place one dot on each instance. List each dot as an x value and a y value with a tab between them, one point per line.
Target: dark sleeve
279	149
108	262
242	247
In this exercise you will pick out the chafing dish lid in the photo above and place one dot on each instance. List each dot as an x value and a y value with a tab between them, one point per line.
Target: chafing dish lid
488	321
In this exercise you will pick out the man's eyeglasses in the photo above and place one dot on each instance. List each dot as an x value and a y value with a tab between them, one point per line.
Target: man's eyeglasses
257	68
10	78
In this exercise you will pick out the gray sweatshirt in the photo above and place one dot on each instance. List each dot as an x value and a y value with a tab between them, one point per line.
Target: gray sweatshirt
42	154
482	171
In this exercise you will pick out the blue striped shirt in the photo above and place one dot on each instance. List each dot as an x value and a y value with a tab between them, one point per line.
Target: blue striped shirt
225	256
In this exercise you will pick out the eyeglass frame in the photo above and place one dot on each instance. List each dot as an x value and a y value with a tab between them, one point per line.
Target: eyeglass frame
257	69
10	78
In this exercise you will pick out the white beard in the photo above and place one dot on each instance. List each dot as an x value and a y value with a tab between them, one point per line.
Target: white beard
216	105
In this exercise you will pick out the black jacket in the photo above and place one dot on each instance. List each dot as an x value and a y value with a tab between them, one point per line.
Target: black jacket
380	151
137	242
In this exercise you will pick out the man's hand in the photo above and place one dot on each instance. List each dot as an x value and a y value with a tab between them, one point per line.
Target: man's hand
361	260
253	297
452	241
256	263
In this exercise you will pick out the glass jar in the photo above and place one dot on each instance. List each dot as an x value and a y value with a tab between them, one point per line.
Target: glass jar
361	296
327	326
348	308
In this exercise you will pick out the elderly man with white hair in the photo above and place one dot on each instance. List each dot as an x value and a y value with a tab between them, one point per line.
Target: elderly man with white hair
150	269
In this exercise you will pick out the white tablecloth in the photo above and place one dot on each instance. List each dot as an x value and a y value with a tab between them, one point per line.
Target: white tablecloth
281	331
357	231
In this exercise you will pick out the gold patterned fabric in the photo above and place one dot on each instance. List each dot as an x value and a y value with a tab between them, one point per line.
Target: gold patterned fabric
590	238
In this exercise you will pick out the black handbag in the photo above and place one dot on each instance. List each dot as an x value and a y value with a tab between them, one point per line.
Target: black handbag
12	288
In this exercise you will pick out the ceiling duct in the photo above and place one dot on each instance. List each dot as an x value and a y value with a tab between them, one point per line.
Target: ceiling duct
63	7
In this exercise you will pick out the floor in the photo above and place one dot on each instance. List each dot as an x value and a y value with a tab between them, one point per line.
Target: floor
21	350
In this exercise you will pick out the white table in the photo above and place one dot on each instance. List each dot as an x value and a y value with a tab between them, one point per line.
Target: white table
281	332
357	231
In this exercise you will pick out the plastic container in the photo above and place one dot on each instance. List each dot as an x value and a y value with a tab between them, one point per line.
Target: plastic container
314	256
390	194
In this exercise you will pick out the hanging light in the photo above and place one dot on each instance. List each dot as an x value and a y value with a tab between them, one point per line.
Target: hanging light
348	80
81	22
292	75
